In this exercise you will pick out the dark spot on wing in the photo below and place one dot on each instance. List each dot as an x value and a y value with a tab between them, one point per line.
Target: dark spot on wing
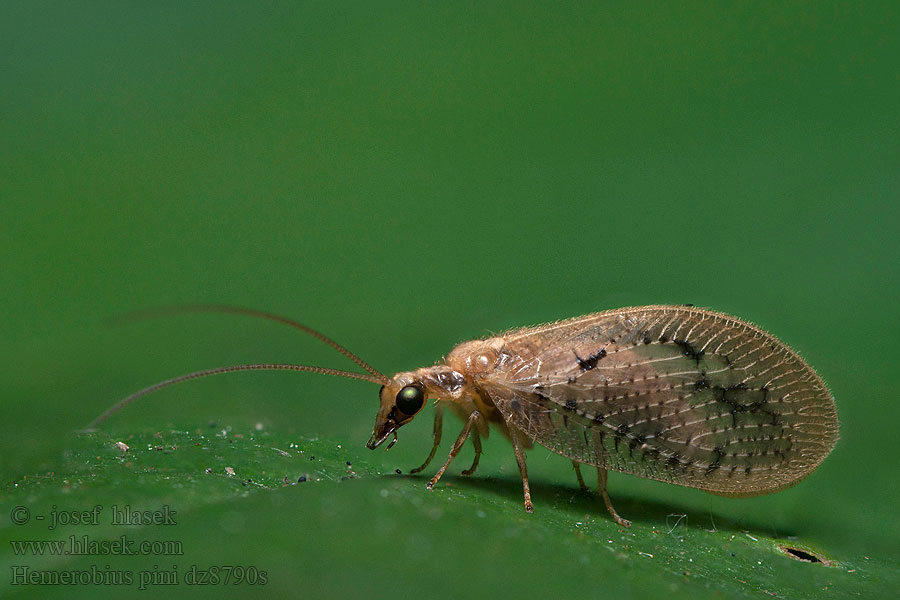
674	459
737	396
621	431
688	350
719	452
586	364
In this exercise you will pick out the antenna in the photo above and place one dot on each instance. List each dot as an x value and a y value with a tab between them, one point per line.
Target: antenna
150	313
219	370
373	376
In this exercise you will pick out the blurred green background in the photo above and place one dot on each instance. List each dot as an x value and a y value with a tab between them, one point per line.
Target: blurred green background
404	177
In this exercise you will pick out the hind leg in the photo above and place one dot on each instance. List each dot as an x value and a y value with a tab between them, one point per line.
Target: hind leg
519	448
601	487
577	467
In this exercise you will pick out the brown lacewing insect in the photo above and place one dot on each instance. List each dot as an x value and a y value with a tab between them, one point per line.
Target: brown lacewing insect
673	393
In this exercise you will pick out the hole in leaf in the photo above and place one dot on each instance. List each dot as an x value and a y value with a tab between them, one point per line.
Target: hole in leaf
804	555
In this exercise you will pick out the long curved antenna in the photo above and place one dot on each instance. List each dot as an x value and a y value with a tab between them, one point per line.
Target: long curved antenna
231	369
140	315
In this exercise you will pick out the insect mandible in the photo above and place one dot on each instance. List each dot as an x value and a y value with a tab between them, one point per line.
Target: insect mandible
678	394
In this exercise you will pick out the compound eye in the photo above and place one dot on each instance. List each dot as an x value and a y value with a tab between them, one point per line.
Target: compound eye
410	399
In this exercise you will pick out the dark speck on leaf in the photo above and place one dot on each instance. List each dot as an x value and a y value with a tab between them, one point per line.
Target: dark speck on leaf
312	458
348	463
398	472
301	479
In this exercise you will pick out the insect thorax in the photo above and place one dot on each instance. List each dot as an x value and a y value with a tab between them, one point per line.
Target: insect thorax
476	357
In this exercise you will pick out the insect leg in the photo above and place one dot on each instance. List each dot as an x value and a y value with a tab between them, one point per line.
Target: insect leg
601	487
577	467
438	428
457	445
518	447
476	441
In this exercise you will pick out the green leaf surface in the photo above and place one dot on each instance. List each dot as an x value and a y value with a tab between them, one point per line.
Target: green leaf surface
292	513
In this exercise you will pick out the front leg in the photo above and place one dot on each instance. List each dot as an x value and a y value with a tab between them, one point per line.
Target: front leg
457	445
438	428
